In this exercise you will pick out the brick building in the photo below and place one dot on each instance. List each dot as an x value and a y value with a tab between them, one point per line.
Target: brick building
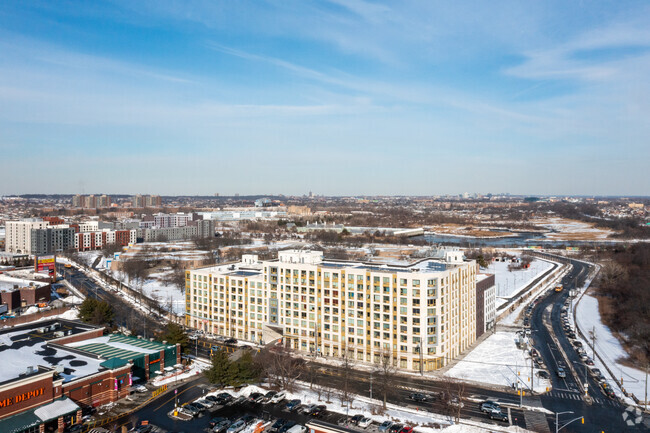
53	369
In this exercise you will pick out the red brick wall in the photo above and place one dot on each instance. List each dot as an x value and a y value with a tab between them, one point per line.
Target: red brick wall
79	337
44	394
32	317
98	389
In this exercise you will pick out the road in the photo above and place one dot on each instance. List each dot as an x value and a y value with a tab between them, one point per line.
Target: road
125	314
601	413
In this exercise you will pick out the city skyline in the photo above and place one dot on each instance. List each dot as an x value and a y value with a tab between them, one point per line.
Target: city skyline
343	98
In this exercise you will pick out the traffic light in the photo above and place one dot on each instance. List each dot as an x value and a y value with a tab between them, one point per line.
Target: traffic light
582	420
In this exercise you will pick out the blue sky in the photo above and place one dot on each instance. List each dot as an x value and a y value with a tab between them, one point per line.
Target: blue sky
337	97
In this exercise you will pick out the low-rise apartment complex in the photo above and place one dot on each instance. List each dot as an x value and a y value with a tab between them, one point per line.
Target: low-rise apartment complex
421	314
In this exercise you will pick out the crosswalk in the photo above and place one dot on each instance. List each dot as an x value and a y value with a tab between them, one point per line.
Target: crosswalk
568	395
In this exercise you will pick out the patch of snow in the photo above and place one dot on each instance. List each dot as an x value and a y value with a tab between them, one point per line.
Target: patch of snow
498	361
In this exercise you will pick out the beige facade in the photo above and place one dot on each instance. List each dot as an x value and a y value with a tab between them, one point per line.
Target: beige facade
18	234
421	313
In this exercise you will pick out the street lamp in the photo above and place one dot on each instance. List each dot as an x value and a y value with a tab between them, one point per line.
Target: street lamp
557	425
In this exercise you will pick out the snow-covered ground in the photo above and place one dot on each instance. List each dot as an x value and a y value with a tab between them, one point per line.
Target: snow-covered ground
421	420
608	347
498	361
509	283
156	287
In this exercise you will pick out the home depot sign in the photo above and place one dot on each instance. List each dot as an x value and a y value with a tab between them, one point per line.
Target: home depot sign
22	397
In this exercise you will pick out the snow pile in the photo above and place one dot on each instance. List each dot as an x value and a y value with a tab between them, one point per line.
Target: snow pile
608	347
496	361
72	299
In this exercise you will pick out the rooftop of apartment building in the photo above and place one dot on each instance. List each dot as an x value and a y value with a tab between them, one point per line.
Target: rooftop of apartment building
250	265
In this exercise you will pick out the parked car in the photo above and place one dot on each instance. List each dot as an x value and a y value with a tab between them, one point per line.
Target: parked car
318	410
205	402
248	419
406	429
190	409
221	426
385	426
396	428
256	397
277	425
236	427
543	374
589	361
268	396
215	420
364	422
213	398
293	405
577	343
200	406
307	409
354	419
231	341
140	388
297	429
288	425
278	397
489	406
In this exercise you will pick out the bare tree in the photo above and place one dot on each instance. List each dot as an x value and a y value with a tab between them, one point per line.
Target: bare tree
384	372
347	367
280	368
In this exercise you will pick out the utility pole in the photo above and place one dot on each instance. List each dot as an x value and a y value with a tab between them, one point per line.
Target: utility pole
645	404
371	383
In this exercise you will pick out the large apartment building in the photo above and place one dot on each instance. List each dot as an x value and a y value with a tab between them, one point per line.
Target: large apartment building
421	314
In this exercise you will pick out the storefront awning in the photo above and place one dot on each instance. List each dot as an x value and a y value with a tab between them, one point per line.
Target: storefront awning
40	415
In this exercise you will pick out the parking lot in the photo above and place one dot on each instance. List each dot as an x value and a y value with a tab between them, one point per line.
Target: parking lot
258	415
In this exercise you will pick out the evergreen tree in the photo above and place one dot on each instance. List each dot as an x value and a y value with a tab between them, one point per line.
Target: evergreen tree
175	334
221	371
96	312
246	371
87	308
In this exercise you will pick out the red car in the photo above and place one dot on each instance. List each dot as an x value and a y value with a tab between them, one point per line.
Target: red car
407	429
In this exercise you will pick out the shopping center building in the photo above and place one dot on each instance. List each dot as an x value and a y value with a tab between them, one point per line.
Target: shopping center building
53	369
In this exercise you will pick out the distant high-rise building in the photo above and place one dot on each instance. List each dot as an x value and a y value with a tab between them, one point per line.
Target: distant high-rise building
140	201
104	201
90	201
